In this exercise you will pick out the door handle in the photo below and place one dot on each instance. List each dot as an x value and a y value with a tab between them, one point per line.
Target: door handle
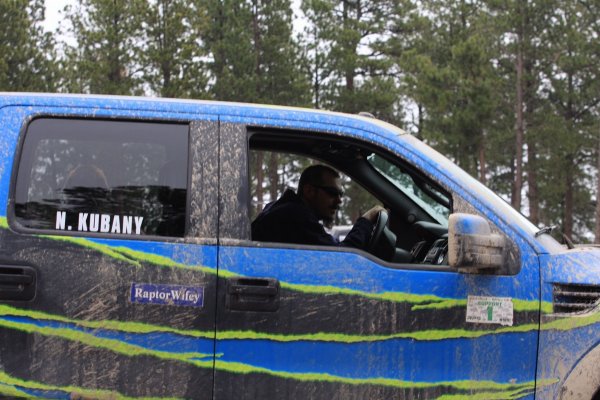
17	282
252	294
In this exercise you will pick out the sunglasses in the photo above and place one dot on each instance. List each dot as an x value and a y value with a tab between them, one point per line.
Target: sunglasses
330	190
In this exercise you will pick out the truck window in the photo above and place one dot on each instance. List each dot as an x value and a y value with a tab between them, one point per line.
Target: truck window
104	177
417	207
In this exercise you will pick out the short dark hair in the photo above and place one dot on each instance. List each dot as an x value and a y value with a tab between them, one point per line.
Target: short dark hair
313	175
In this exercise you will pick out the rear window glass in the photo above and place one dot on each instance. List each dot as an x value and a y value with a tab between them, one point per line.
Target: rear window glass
108	177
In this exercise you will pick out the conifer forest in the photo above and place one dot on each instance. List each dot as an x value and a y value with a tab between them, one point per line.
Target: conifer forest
508	89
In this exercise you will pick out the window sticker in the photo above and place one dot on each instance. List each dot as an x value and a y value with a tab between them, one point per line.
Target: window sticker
173	295
490	310
103	223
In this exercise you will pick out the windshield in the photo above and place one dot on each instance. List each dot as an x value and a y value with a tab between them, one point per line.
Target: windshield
426	196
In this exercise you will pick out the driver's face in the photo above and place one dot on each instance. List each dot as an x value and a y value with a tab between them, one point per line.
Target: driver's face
325	198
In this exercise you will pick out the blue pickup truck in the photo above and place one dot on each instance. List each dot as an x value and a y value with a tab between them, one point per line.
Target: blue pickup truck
128	270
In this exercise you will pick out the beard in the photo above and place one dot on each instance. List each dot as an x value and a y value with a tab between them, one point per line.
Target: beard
328	222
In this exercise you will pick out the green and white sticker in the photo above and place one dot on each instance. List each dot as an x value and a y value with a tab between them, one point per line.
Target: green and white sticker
490	310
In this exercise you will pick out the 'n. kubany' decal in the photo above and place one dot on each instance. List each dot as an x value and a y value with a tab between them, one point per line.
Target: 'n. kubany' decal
102	223
13	387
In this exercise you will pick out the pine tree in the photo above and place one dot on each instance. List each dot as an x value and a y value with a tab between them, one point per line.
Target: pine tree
450	70
255	57
522	57
109	46
27	53
574	92
175	57
349	71
405	46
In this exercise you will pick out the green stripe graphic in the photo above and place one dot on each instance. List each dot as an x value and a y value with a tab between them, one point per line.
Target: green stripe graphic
465	385
9	387
113	345
130	327
239	368
566	323
420	302
487	389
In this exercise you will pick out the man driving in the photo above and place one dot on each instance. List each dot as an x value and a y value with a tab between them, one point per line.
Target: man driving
295	217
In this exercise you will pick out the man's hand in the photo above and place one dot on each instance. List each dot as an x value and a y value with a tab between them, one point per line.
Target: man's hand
371	215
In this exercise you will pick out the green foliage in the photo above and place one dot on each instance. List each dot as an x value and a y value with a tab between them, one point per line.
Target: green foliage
255	56
27	52
573	93
174	58
109	46
454	66
350	73
450	67
229	40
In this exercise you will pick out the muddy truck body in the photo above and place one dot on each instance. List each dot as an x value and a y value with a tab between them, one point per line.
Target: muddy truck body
128	269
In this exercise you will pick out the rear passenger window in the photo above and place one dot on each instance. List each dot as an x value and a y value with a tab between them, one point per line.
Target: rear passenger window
109	177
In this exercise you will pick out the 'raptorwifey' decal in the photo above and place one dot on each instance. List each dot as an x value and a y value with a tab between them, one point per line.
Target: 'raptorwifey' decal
176	295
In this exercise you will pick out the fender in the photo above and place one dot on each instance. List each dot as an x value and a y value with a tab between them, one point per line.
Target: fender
584	380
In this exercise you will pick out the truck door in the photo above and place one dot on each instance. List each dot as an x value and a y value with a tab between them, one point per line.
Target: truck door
300	322
107	256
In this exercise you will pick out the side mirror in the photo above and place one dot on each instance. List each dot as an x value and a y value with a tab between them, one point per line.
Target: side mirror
472	245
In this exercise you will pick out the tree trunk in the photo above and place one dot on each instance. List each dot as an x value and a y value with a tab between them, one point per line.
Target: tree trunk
421	123
116	71
519	131
530	85
597	230
317	81
532	194
568	210
273	176
482	161
569	159
349	73
257	51
164	39
259	182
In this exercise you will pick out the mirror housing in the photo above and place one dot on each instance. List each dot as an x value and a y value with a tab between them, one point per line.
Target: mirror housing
472	245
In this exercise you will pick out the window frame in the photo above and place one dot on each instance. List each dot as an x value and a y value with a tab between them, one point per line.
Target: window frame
241	133
17	226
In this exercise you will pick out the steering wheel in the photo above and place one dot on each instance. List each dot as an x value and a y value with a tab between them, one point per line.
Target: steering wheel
378	228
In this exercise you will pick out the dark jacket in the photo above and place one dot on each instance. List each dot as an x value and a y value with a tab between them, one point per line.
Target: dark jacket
290	220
